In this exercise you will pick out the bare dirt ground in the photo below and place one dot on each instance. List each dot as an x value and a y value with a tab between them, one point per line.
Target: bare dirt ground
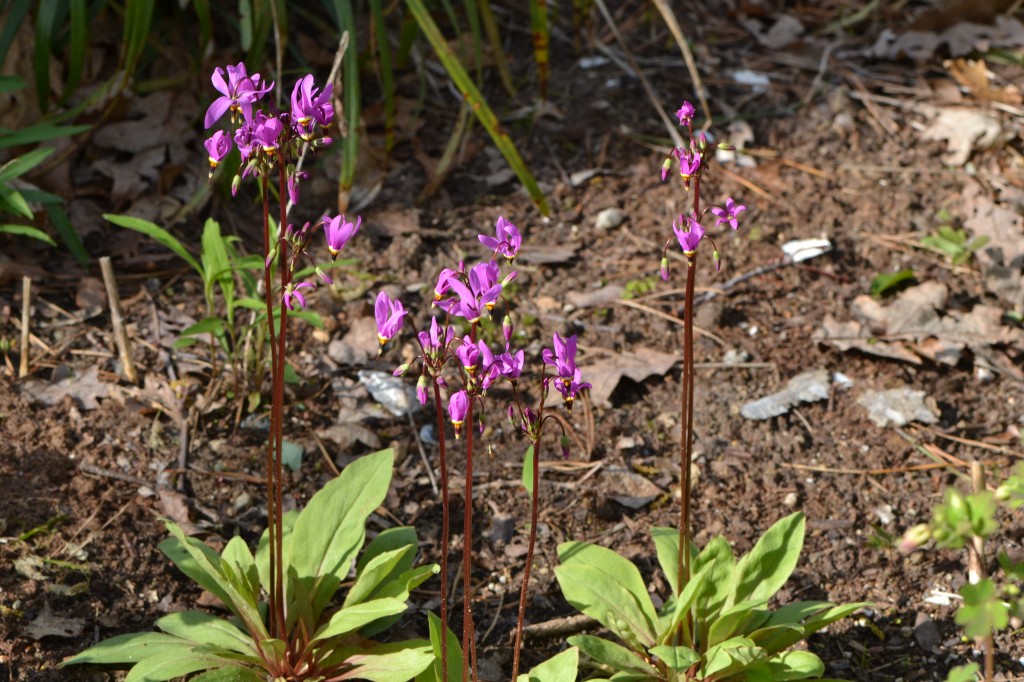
839	134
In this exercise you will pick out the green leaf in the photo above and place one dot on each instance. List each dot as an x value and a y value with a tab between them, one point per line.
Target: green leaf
983	612
884	284
528	469
739	619
158	233
130	648
20	165
677	658
676	609
480	108
608	588
237	555
964	673
47	16
323	552
612	655
216	265
666	545
16	10
78	44
12	201
68	234
27	231
351	618
171	665
230	673
453	649
716	585
138	18
403	662
207	325
773	637
561	667
795	665
375	572
308	316
767	567
730	657
203	628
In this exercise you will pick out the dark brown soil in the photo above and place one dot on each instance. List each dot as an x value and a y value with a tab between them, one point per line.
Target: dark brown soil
88	480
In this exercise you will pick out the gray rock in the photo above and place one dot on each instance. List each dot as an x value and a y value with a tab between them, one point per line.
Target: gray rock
609	218
897	407
803	388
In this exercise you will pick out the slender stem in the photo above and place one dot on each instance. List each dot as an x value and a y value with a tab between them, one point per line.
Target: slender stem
534	506
284	267
268	297
467	550
445	531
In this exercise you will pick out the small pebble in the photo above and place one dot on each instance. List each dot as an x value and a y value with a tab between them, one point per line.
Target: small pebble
790	500
609	218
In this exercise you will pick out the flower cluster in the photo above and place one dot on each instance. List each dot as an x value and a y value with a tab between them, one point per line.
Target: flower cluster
262	135
472	294
691	161
266	138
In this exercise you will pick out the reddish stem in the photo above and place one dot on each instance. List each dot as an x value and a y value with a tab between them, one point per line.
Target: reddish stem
284	268
467	551
445	531
534	507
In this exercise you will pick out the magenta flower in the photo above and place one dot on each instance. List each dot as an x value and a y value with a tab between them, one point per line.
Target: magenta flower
442	286
389	314
458	408
421	388
570	386
339	231
685	114
689	164
268	134
563	359
506	241
729	213
468	353
432	343
293	185
218	146
476	299
689	233
509	364
293	297
309	105
238	93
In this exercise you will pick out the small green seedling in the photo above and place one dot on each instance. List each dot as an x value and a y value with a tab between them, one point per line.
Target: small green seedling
953	244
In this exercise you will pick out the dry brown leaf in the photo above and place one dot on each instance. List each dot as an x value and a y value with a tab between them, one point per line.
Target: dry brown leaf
974	75
49	624
85	387
965	130
605	374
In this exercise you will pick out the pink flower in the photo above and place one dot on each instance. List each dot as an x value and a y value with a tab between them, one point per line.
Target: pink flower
689	233
506	241
218	146
458	408
238	93
390	314
685	114
339	231
729	213
293	297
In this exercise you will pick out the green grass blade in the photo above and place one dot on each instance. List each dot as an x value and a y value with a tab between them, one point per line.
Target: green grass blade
473	15
16	13
23	164
350	69
68	234
386	71
497	49
46	23
27	231
245	23
205	19
158	234
37	133
11	84
540	31
79	28
138	20
480	107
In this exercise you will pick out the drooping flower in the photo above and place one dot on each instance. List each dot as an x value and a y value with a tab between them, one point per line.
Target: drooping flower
728	213
476	299
268	134
294	178
563	359
238	93
506	241
442	286
468	353
293	297
218	146
458	408
569	387
338	231
685	114
389	314
689	233
434	342
309	105
689	164
509	364
421	388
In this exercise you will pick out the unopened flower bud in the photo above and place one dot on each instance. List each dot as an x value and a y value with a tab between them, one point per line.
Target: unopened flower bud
323	275
726	147
565	446
717	258
270	257
235	183
666	166
664	268
511	414
421	389
506	328
401	370
702	141
914	537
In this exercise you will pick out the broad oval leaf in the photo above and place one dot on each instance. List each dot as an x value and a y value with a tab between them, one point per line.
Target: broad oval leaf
615	656
561	667
352	618
403	663
767	567
730	657
172	665
130	648
203	628
677	658
608	588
